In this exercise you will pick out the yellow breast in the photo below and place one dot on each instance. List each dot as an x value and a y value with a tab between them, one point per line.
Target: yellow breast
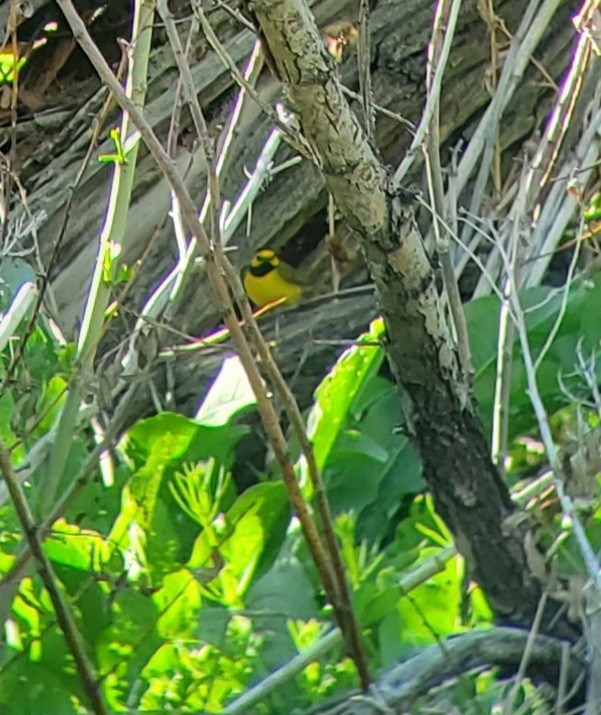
264	284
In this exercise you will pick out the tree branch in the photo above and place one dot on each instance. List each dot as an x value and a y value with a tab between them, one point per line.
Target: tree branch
438	403
64	616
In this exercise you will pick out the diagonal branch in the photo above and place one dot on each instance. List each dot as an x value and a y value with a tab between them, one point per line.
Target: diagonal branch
342	602
441	413
217	265
64	616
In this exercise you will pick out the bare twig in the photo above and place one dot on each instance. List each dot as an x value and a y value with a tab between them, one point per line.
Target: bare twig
216	265
564	109
45	282
364	59
221	52
527	654
64	616
586	550
341	595
500	425
407	123
591	563
524	43
445	11
433	95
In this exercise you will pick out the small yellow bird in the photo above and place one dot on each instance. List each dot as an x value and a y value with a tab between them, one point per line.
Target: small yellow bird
268	280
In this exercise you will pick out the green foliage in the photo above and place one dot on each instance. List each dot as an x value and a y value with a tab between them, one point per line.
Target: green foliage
187	591
579	326
485	693
10	65
367	465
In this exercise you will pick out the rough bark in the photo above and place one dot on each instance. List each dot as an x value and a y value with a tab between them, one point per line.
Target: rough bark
291	215
52	140
442	416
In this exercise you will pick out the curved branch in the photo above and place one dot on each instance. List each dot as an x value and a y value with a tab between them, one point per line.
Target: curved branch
503	648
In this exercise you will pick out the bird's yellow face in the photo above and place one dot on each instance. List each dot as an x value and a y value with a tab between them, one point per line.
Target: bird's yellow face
264	283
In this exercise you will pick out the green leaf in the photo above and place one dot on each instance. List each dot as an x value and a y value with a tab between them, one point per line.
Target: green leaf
229	394
284	592
127	644
50	403
70	545
179	602
247	542
32	688
367	466
335	395
9	63
191	442
580	324
432	611
6	411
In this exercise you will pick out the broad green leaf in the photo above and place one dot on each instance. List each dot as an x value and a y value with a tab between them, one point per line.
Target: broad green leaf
229	394
389	638
580	323
178	602
247	542
164	534
270	503
28	688
284	592
127	644
6	411
190	441
50	403
335	395
433	607
140	440
78	548
367	466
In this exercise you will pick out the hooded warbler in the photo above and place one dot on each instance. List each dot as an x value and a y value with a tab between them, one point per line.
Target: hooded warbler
268	280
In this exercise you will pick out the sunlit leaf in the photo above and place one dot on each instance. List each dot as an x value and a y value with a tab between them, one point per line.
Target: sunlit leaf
229	394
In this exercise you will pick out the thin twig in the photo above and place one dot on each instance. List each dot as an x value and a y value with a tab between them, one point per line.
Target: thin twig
407	123
341	595
65	618
527	654
223	55
500	425
259	692
216	265
433	95
525	41
442	21
113	233
45	282
523	44
588	555
364	61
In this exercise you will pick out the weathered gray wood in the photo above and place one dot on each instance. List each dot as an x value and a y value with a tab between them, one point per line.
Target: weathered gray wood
401	686
400	31
290	215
